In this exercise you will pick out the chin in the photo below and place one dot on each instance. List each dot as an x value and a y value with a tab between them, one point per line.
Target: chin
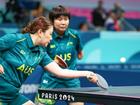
63	29
44	44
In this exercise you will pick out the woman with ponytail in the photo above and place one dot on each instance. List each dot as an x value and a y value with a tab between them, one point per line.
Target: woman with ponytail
20	55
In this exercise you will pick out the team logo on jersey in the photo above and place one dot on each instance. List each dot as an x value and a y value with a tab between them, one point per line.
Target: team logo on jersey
45	81
69	43
66	56
25	69
22	52
52	46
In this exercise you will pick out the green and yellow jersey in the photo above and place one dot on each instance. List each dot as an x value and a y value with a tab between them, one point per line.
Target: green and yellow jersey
19	58
67	46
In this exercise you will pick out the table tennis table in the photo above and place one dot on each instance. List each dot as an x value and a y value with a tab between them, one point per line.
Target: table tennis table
115	95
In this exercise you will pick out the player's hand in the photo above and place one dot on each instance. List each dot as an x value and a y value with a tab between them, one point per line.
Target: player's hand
92	77
98	79
1	69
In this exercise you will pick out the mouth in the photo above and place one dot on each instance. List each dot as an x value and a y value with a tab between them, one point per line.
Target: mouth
62	27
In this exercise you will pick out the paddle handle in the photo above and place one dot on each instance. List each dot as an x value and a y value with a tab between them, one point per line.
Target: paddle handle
92	77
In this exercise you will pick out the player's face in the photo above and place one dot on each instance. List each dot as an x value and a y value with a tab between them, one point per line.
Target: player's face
46	37
61	23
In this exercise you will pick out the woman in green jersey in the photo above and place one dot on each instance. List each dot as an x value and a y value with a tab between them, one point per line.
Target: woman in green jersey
20	53
66	44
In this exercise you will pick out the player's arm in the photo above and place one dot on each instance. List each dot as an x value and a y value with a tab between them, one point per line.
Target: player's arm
79	47
65	73
53	67
80	55
48	64
7	41
1	69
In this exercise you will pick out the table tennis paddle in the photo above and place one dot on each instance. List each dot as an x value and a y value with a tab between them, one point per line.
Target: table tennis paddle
101	82
60	61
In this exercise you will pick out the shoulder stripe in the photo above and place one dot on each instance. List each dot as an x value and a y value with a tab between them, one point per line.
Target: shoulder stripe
74	36
21	40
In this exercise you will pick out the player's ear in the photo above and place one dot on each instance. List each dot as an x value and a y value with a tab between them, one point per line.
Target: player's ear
39	32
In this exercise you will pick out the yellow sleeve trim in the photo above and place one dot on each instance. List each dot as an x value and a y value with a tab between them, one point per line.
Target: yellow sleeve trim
21	40
74	36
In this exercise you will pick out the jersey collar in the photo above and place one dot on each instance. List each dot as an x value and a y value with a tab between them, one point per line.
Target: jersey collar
55	34
29	41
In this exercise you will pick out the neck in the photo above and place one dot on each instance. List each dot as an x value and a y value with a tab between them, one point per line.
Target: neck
60	33
34	39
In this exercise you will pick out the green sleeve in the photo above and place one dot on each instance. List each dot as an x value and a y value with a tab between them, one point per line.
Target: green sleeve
46	60
79	46
1	60
48	48
7	41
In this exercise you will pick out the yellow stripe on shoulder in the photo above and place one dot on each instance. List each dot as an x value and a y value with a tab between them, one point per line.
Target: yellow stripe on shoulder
74	36
21	40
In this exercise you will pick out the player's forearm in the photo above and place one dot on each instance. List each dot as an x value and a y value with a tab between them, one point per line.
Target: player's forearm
80	55
73	74
65	73
1	69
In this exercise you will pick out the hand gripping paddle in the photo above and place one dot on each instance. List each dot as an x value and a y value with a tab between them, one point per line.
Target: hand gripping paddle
101	82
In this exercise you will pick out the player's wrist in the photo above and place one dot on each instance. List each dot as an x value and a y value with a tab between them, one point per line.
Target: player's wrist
90	75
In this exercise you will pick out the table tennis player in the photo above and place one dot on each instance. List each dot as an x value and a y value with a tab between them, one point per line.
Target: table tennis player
66	44
20	53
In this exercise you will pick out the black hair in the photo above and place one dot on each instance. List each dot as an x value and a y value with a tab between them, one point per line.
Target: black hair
57	12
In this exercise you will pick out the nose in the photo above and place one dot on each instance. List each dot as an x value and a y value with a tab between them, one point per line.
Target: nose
63	21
